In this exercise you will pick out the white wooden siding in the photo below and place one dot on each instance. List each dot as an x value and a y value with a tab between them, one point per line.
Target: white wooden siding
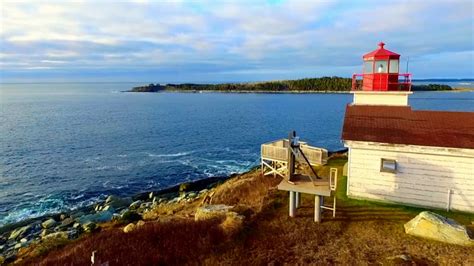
424	175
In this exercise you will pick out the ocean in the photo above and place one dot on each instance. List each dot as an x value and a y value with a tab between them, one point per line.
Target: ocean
63	146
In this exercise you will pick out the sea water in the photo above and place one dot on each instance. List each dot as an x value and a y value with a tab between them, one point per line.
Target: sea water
63	146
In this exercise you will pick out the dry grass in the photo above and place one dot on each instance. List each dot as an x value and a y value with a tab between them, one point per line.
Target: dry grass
362	233
247	192
176	242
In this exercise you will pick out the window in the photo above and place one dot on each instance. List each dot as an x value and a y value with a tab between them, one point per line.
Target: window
381	66
368	67
388	166
393	66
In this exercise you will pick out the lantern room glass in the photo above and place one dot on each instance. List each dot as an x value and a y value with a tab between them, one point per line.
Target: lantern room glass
393	66
381	66
368	67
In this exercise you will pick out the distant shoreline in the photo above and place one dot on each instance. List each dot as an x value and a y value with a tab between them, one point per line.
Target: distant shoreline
299	86
245	92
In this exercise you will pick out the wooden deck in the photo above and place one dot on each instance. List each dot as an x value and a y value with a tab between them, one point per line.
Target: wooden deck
303	184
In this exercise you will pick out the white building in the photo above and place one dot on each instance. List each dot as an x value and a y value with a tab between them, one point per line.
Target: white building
400	155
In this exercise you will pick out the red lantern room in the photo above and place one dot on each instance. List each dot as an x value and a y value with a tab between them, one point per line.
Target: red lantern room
381	72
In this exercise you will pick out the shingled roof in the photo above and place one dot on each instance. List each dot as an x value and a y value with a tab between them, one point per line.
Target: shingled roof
402	125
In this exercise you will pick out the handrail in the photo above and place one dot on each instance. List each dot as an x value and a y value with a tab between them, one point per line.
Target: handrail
404	85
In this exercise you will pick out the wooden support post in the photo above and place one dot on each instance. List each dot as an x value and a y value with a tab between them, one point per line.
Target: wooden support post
292	204
317	208
291	156
298	200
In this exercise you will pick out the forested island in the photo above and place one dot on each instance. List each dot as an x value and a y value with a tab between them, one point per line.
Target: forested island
323	84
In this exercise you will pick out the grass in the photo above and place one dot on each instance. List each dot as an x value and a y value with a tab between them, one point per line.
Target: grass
171	243
363	232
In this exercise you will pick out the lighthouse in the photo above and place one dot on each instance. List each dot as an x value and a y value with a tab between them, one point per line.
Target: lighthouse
381	83
400	155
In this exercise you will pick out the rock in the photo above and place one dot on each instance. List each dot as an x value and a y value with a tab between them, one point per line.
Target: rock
108	208
46	232
67	222
135	205
118	202
20	232
73	233
57	235
20	245
62	216
191	195
129	228
23	240
130	216
150	196
97	208
436	227
76	225
203	191
212	211
100	217
90	227
402	259
48	223
184	187
140	223
145	205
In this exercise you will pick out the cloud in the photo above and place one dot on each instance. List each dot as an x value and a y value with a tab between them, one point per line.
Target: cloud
217	39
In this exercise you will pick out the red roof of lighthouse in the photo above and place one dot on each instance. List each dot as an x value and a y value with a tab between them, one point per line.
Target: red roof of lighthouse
381	53
402	125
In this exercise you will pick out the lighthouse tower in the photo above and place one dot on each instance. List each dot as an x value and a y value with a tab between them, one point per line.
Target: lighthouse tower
381	83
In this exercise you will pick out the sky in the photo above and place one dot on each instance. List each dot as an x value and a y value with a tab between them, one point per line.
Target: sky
228	41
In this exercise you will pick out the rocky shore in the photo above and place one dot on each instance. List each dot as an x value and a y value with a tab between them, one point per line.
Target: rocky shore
72	225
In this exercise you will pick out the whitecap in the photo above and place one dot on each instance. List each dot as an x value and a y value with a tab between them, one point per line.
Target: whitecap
179	154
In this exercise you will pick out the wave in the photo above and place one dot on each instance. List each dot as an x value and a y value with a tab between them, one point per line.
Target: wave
179	154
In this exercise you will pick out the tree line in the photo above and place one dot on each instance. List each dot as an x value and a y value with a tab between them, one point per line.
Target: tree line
336	84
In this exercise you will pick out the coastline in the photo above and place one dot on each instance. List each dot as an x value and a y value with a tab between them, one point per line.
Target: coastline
72	224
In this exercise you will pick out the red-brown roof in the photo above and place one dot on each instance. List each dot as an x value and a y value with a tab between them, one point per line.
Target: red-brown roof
402	125
381	53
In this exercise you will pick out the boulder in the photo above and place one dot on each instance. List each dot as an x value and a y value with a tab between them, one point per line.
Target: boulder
67	222
118	202
218	211
129	228
100	217
108	208
45	232
135	205
90	227
436	227
140	223
130	216
48	223
20	232
57	235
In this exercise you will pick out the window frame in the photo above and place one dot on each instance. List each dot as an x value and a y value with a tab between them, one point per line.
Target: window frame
376	62
390	66
371	69
386	169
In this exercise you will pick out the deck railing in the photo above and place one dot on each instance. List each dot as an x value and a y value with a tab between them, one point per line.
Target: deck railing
403	81
278	151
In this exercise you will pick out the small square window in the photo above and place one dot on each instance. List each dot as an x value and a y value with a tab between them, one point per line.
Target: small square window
388	166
